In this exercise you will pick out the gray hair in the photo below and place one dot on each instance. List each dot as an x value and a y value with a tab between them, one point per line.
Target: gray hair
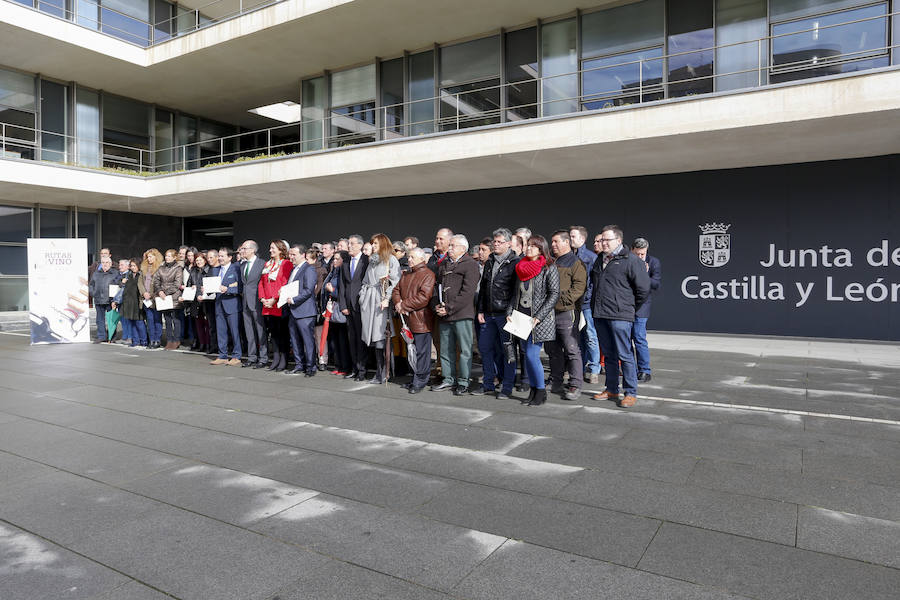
356	237
253	245
461	239
524	232
503	232
417	253
640	243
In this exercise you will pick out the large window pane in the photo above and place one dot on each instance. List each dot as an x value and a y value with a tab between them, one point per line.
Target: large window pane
164	140
87	228
470	76
87	127
825	46
54	223
15	224
781	10
690	43
53	121
17	90
521	74
127	20
19	127
622	79
88	13
624	28
14	293
13	260
313	113
125	133
392	97
353	86
163	23
213	148
559	64
353	106
421	87
470	61
188	150
739	24
57	8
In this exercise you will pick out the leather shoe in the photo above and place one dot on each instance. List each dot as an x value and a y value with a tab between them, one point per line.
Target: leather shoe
349	375
461	390
234	362
259	365
441	387
644	377
502	396
218	361
414	390
479	390
606	395
360	377
320	367
247	364
628	402
295	370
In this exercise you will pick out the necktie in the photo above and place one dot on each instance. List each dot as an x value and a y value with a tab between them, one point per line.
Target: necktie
246	269
352	267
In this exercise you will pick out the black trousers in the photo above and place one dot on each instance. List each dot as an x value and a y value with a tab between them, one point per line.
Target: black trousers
337	337
422	342
565	351
359	352
277	328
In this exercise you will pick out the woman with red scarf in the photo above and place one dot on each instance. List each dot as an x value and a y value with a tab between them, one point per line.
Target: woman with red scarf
537	290
275	274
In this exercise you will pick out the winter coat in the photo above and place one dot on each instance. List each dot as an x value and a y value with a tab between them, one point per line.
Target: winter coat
415	290
497	291
132	306
459	281
572	282
620	288
374	318
168	279
545	293
99	285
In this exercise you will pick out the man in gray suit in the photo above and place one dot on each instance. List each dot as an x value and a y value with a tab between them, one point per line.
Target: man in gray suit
254	326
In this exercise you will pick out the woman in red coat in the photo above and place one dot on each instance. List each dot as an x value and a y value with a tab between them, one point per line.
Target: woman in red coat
274	275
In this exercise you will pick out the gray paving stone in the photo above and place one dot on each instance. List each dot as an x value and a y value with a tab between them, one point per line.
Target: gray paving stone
854	428
848	496
411	547
32	568
612	459
223	494
133	591
566	429
857	468
15	470
430	411
593	532
521	571
722	448
344	442
342	581
29	382
342	398
45	408
193	557
683	503
853	536
63	507
507	472
762	569
815	441
357	480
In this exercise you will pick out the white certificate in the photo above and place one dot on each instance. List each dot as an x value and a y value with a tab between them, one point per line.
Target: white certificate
581	321
164	303
211	285
188	294
288	290
113	290
519	325
148	303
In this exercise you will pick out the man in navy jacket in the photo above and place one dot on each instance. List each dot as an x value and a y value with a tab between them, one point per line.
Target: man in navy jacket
640	247
228	307
302	321
621	286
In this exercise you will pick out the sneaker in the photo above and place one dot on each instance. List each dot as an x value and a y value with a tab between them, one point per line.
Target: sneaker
592	377
628	402
573	393
643	377
502	396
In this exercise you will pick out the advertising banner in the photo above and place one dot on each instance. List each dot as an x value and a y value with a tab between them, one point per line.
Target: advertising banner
58	291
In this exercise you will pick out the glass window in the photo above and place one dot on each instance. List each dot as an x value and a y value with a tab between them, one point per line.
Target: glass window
740	21
353	106
823	45
392	97
521	74
127	20
353	86
622	79
186	20
691	40
17	90
782	10
214	149
14	293
87	127
125	132
57	8
88	13
54	223
164	140
470	80
312	113
162	20
15	224
421	87
53	121
87	228
13	260
624	28
558	67
188	149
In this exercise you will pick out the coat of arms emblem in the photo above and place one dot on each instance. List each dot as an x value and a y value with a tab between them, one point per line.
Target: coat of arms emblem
715	244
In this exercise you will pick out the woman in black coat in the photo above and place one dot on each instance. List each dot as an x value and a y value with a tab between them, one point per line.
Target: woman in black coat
132	308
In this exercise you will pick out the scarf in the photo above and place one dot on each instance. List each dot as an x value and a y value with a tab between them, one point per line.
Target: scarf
272	268
528	269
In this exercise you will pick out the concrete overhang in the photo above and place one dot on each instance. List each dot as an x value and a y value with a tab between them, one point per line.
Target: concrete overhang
843	117
222	71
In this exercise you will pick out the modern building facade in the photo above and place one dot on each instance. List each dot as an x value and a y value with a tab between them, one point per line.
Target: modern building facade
753	142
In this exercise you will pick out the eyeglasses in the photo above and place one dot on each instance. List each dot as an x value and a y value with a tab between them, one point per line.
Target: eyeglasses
608	240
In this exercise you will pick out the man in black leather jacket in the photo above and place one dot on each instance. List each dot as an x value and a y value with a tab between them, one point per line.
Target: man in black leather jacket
496	292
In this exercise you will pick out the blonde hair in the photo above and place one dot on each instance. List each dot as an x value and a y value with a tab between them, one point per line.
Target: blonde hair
146	267
385	247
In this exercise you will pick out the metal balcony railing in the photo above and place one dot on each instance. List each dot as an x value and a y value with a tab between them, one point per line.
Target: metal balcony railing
522	101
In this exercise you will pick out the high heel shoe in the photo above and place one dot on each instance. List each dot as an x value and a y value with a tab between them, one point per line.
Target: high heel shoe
540	397
530	397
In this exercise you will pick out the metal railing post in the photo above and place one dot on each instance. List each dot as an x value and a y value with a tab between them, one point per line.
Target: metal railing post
759	62
140	160
457	112
3	137
184	158
221	149
641	81
268	141
323	134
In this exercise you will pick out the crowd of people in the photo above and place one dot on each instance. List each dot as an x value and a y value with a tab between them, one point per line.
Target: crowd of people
355	306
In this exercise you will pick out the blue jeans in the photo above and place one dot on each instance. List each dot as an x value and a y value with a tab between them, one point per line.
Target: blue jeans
138	332
641	349
590	347
491	338
615	341
154	324
533	366
101	320
126	329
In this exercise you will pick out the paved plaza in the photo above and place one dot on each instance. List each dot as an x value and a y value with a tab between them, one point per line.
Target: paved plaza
750	468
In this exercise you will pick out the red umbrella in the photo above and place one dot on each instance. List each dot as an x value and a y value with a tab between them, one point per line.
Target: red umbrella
324	339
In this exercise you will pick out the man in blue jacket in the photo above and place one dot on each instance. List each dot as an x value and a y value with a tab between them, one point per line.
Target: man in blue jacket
228	307
621	286
303	312
640	247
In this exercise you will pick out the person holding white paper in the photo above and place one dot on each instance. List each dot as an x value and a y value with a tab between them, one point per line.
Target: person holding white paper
228	307
149	265
537	292
99	288
131	309
199	309
167	283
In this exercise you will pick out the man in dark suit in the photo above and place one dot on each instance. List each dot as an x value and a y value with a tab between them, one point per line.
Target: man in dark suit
352	272
254	326
228	306
640	247
303	312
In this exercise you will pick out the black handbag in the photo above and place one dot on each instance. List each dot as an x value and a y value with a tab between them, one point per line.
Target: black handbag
509	351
